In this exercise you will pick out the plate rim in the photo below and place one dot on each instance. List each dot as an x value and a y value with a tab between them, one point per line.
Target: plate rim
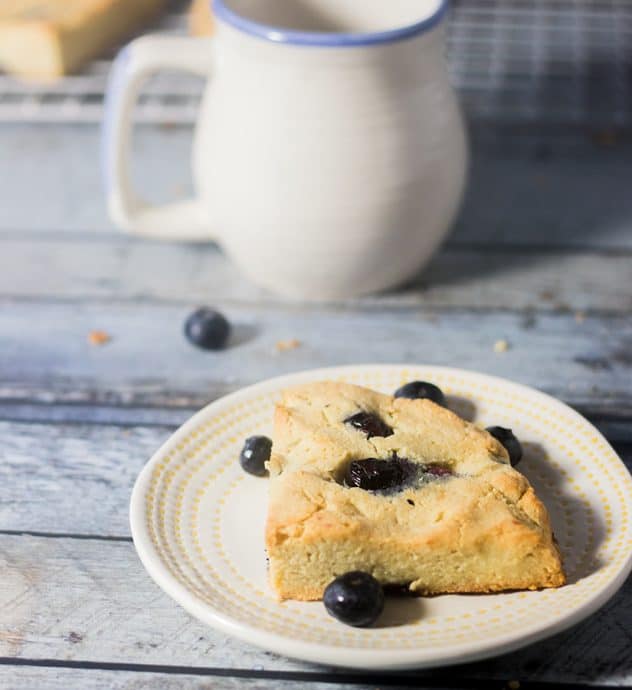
382	659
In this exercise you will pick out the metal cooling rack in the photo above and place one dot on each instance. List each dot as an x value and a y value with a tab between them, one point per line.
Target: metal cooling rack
513	61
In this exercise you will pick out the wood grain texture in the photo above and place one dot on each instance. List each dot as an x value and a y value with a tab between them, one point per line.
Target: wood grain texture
77	478
60	678
116	268
71	478
126	416
545	232
148	361
90	600
557	188
616	428
22	678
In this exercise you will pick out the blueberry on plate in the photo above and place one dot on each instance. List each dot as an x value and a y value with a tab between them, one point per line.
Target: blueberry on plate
421	389
511	443
207	329
370	424
355	598
255	454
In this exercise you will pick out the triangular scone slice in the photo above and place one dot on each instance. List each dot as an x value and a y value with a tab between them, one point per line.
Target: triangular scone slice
481	529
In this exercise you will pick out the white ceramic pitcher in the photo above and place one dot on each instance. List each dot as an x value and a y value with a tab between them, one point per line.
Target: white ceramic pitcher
329	158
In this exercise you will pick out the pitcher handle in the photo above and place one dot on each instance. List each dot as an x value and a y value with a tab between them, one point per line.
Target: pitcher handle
183	220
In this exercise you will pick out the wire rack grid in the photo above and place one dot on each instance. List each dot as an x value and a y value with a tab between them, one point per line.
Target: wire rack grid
513	61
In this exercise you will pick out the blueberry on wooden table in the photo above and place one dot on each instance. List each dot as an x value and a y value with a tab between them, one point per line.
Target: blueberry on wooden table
355	598
421	389
207	329
370	424
255	454
506	438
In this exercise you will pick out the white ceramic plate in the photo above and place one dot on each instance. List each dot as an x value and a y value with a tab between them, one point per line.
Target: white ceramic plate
197	521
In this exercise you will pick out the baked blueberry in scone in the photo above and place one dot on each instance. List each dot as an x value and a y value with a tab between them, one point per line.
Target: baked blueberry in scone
402	489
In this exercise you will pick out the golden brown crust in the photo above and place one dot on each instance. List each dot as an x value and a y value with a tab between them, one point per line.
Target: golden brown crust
201	22
482	530
46	40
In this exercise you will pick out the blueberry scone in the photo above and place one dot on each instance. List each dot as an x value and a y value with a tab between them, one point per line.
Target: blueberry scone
400	488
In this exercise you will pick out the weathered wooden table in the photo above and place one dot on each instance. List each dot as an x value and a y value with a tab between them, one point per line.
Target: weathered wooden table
541	257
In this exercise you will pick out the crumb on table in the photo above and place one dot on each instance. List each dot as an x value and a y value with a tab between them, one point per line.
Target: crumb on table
501	346
98	338
284	345
606	138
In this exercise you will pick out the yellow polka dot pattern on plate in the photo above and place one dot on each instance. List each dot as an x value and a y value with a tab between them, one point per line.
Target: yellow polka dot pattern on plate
198	504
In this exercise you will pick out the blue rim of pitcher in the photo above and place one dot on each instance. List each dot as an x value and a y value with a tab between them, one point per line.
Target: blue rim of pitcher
325	39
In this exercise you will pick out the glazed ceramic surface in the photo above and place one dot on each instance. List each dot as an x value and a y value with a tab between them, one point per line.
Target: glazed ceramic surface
197	521
330	154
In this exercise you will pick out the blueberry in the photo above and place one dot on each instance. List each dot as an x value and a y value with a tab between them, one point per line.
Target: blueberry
370	424
421	389
373	474
437	471
511	443
355	598
254	455
207	329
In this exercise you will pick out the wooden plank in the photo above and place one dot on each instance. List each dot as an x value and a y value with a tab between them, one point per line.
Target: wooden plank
122	269
89	469
555	188
51	175
46	356
546	188
46	678
617	429
59	678
90	601
127	416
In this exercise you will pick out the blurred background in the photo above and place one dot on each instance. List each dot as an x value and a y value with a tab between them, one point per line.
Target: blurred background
544	233
535	67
